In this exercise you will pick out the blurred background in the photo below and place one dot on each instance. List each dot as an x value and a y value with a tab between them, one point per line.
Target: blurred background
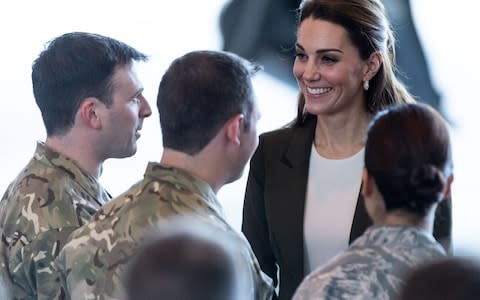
437	48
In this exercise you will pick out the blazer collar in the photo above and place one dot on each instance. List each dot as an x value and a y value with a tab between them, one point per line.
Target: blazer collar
301	143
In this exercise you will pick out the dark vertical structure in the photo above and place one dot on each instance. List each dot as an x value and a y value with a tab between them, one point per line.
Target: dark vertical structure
412	64
263	31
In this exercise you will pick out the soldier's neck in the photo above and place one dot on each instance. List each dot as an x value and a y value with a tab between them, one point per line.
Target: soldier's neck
80	154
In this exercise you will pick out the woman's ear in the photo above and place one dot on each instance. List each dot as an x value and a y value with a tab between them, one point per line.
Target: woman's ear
374	202
373	64
366	183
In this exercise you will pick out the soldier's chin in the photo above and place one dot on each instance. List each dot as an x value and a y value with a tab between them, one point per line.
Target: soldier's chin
235	176
127	153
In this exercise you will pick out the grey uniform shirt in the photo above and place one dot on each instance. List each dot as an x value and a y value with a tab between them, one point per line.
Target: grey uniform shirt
373	267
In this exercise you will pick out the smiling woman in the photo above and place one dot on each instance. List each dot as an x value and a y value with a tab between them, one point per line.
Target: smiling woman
302	203
333	78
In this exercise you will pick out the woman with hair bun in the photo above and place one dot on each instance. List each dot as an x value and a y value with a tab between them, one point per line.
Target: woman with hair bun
407	173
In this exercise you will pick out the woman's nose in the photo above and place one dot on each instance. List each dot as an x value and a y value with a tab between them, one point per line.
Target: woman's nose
311	71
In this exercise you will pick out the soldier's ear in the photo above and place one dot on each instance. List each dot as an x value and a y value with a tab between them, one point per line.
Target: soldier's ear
89	113
234	128
448	187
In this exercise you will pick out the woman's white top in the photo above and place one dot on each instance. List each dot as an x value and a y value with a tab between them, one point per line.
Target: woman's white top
332	192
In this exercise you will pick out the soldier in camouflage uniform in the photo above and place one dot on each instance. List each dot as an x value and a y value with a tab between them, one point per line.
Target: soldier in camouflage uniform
208	119
407	173
92	108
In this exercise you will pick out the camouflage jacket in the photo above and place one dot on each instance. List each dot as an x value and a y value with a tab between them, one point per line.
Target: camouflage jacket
373	267
94	262
49	199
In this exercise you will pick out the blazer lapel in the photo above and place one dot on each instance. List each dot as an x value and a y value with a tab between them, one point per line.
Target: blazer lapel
298	151
297	157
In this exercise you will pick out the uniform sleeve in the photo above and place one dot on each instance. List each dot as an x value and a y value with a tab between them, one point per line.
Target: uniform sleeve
78	275
254	224
91	268
442	229
32	266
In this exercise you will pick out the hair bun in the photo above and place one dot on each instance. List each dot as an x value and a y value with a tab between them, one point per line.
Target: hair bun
427	180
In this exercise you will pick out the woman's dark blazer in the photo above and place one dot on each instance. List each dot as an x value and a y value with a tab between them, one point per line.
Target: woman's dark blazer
275	201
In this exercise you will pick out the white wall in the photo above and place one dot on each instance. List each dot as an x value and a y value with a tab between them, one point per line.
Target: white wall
451	37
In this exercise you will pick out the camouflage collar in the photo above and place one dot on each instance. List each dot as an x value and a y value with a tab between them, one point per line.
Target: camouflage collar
392	235
47	156
186	181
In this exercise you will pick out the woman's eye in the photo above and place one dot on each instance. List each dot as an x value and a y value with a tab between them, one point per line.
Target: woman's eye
329	60
300	55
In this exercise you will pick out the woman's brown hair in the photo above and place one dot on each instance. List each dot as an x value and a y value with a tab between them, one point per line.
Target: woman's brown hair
370	31
408	154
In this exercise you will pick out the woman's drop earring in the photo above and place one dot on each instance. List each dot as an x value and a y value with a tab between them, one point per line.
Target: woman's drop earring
366	85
